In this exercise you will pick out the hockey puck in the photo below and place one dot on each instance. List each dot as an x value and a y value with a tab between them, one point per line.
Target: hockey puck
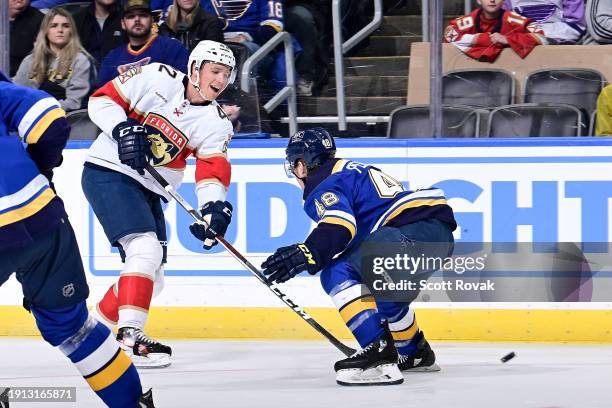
508	357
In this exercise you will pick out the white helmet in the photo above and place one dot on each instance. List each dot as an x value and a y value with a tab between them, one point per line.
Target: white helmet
212	51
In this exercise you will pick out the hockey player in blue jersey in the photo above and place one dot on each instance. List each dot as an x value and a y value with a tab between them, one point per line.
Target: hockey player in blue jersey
355	204
39	245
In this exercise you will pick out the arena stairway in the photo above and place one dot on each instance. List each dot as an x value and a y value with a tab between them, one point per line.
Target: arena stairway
376	73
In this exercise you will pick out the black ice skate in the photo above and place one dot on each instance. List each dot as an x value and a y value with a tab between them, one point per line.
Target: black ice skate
146	400
4	402
144	351
423	360
376	364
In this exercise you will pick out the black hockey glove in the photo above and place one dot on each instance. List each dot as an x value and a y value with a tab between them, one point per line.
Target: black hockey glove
132	144
218	215
289	261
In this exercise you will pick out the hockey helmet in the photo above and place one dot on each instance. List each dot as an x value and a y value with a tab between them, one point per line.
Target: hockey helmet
314	146
212	51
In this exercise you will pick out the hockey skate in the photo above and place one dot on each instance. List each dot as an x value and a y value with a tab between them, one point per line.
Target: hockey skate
146	400
376	364
144	351
422	361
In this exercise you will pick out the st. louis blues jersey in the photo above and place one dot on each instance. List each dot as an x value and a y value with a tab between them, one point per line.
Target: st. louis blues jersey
29	208
260	19
361	199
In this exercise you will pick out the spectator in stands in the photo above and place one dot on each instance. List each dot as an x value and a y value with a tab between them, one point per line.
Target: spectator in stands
305	20
251	23
189	24
603	124
24	25
599	21
486	31
144	45
100	29
561	20
59	64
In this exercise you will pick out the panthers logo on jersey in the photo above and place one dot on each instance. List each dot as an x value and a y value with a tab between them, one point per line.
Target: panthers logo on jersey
166	140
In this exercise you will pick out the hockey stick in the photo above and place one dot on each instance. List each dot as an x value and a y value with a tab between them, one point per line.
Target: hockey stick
347	351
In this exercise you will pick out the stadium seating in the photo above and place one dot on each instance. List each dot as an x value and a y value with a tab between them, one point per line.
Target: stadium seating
413	122
534	120
575	86
487	88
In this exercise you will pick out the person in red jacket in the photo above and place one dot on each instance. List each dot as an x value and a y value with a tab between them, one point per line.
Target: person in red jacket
486	31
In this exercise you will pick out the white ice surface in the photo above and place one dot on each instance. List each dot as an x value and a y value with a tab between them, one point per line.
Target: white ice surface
275	374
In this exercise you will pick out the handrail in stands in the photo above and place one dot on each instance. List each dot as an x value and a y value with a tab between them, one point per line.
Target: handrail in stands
288	92
467	9
341	48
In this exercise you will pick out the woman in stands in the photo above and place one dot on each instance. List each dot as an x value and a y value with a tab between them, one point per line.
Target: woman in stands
189	24
59	65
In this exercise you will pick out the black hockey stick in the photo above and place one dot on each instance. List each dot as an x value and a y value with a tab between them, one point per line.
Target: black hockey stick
347	351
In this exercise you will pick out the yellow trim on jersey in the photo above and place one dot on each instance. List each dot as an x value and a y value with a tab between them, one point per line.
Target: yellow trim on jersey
412	204
340	221
121	95
357	306
27	210
338	166
43	124
110	374
276	27
406	334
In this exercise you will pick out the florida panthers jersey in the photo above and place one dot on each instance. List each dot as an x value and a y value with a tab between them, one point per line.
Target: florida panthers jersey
362	199
561	20
29	208
471	34
155	96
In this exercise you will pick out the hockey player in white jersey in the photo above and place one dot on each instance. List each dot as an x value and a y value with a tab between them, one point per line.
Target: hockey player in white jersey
158	115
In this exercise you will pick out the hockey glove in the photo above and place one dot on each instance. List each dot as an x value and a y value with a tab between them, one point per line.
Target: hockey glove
218	216
132	144
289	261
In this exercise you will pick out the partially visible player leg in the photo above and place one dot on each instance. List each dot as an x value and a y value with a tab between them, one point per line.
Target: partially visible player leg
376	363
55	290
132	218
415	353
143	259
107	309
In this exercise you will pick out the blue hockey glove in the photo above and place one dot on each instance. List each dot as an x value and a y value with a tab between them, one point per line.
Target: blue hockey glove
289	261
132	144
218	216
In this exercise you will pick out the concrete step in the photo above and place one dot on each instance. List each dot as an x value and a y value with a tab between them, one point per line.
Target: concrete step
404	25
375	66
325	106
381	46
369	86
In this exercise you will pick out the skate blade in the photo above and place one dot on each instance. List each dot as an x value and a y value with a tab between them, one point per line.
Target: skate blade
384	374
152	360
428	369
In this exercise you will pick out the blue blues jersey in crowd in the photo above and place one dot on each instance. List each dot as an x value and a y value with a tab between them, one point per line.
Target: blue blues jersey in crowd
261	19
160	49
29	208
350	200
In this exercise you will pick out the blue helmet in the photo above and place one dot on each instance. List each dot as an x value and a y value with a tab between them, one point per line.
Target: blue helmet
314	146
